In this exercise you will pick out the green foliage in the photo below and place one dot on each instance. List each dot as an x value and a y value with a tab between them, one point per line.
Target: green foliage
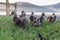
8	31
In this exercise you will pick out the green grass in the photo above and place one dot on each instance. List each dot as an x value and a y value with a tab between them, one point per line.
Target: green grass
8	31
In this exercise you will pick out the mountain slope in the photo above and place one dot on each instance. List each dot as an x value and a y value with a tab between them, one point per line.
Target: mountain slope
28	7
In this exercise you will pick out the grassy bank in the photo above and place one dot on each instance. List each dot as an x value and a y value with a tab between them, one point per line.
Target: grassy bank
8	31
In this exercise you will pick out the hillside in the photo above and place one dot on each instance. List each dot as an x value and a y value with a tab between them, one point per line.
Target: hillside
29	7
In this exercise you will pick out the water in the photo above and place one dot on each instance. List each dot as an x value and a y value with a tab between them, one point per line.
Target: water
35	13
2	12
